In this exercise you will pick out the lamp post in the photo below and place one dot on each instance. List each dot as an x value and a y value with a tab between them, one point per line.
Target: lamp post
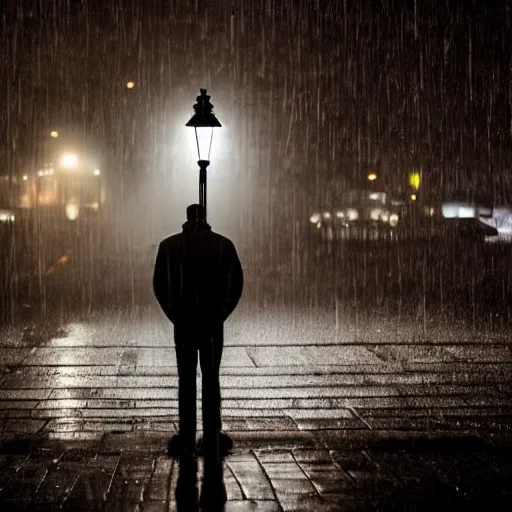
203	121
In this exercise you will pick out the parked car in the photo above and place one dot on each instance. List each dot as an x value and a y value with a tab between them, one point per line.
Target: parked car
442	230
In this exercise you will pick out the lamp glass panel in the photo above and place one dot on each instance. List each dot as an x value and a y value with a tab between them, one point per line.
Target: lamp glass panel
204	137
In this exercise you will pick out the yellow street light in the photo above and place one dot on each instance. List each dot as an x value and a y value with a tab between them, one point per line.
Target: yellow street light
372	176
54	134
415	180
130	85
413	197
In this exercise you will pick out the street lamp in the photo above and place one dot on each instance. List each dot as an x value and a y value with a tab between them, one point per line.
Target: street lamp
203	121
69	161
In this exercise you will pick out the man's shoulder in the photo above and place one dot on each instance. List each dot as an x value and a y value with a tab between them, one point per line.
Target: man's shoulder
171	240
177	239
224	240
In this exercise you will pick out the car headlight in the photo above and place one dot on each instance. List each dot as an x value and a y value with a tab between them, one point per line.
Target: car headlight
375	214
6	216
72	210
393	219
352	214
316	217
326	215
340	214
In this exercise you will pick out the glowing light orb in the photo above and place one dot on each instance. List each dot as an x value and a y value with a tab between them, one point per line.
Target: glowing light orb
69	161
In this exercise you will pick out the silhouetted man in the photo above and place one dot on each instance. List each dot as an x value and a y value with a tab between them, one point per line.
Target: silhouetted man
198	281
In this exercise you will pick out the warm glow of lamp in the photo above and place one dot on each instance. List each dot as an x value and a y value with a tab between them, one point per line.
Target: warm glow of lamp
130	85
372	176
413	197
54	134
204	136
69	161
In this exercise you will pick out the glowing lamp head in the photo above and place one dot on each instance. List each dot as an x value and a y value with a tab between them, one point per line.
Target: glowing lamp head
69	161
372	176
130	85
203	121
54	134
97	172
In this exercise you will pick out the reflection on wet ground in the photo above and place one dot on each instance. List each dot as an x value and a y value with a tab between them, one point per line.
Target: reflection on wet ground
117	371
321	472
310	369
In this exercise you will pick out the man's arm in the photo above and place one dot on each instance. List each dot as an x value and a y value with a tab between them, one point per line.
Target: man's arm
235	283
162	282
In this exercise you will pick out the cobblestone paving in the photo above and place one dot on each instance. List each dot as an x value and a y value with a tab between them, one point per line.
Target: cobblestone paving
324	417
285	472
119	374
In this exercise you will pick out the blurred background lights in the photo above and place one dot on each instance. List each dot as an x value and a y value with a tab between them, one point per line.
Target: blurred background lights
130	85
69	161
415	180
352	214
54	134
375	214
72	210
393	219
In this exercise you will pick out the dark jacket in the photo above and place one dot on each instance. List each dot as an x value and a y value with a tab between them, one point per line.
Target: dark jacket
198	275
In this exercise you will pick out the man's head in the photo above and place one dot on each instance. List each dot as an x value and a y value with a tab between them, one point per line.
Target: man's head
195	213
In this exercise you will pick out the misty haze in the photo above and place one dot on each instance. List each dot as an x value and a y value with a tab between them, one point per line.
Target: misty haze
363	171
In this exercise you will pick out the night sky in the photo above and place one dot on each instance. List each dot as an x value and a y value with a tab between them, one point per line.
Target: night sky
314	91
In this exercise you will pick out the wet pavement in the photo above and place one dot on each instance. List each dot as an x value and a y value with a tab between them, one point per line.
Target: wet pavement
328	412
279	471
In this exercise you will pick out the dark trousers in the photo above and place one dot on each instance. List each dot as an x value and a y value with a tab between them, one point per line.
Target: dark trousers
208	342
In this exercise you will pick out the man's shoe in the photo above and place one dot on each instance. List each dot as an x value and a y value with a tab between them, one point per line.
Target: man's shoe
176	449
225	445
